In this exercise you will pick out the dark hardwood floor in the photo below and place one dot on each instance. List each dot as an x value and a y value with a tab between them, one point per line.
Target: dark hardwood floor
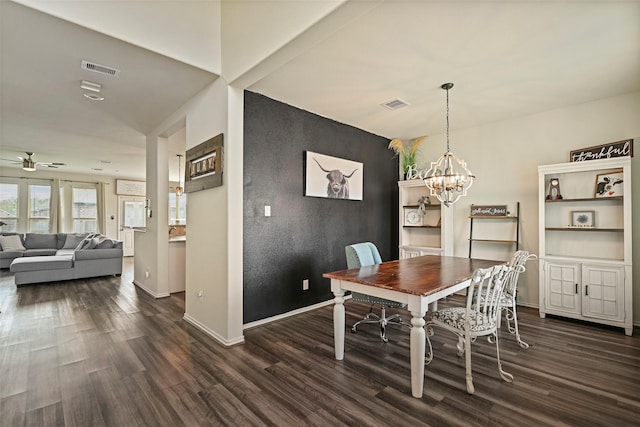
101	352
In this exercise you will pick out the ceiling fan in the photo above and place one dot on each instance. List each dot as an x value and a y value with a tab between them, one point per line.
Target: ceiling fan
29	164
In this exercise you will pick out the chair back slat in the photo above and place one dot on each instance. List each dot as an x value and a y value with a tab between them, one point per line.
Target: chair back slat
483	295
517	262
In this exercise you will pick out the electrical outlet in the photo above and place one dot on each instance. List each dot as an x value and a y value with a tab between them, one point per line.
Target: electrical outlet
146	274
305	285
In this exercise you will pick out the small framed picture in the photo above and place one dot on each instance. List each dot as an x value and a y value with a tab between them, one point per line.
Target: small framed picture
412	217
583	219
609	185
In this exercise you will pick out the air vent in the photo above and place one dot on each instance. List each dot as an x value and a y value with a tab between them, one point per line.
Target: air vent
395	104
97	68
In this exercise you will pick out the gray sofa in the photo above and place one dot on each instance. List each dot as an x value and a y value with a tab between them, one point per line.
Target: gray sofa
60	256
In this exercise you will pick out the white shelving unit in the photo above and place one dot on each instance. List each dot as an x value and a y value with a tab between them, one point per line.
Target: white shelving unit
585	242
428	234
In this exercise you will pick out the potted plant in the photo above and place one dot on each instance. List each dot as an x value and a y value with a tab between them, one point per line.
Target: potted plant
407	152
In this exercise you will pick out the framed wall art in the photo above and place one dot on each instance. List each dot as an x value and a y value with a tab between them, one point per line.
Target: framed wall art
203	165
585	219
332	177
609	185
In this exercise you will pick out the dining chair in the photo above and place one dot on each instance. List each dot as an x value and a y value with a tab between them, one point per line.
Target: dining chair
479	317
362	255
508	300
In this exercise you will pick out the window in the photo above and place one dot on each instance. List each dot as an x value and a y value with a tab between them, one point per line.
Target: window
177	209
85	210
39	208
9	212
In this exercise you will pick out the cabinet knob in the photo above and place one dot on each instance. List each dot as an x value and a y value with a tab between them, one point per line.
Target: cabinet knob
586	290
576	288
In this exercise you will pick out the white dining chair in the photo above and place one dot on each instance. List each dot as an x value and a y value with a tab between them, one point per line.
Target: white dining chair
479	317
508	300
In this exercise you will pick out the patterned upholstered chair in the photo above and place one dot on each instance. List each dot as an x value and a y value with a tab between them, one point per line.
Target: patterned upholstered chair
362	255
508	300
480	317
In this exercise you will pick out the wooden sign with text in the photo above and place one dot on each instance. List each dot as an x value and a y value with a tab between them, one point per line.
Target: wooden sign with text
497	210
605	151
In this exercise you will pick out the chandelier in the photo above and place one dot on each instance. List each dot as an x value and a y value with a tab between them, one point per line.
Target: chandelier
179	188
448	179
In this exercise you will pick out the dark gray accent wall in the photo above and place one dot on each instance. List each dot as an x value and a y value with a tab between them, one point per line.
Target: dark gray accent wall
305	236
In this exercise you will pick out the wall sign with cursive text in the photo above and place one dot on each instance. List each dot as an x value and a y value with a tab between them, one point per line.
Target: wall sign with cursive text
494	210
605	151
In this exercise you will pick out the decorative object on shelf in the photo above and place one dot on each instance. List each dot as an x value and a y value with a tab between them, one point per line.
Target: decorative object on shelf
448	178
423	202
406	153
179	188
609	184
203	168
583	219
493	210
412	217
606	151
333	177
554	189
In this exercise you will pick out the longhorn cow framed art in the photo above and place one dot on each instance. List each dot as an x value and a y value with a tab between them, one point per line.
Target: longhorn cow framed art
332	177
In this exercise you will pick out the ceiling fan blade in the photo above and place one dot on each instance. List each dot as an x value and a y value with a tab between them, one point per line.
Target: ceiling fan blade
12	161
50	166
56	164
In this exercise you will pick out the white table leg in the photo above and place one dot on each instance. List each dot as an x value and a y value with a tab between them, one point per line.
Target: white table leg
338	324
417	344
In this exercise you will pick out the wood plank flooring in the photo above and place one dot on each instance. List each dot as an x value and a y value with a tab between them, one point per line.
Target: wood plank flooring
100	352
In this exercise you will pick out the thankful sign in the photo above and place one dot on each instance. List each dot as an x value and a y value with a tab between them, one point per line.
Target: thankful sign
605	151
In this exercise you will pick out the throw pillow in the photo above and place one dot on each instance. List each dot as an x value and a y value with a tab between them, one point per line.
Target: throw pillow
85	242
106	243
11	243
73	240
92	243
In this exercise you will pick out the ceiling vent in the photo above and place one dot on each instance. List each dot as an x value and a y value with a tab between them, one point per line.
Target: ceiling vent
97	68
395	104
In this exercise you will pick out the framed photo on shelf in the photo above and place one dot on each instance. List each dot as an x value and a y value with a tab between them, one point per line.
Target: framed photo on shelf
609	185
412	217
583	219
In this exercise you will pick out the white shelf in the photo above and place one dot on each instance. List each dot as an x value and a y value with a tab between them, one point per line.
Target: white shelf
586	272
433	233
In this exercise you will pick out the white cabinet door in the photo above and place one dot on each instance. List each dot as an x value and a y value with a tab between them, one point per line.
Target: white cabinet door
409	252
603	292
562	289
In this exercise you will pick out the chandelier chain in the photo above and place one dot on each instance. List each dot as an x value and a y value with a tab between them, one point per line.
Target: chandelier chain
448	149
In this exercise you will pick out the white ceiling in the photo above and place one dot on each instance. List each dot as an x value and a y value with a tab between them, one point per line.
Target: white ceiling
506	58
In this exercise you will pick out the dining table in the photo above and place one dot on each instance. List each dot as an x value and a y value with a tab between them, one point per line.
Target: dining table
417	282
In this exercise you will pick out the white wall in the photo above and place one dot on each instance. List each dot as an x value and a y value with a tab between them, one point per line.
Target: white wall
209	257
111	198
505	155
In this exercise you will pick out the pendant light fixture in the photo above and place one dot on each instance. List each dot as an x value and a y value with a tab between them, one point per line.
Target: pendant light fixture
448	179
179	188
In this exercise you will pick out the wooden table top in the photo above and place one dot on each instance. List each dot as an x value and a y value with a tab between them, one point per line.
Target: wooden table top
421	276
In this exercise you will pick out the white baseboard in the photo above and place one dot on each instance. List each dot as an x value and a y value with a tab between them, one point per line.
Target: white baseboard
149	291
213	334
289	313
